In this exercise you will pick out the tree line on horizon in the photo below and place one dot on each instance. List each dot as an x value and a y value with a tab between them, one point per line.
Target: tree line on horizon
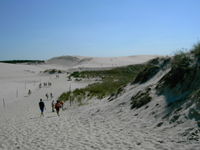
22	61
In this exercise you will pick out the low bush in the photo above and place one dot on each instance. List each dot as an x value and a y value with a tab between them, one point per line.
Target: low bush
196	50
148	72
52	71
140	99
181	61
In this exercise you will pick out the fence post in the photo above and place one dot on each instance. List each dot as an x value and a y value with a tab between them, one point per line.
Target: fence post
4	104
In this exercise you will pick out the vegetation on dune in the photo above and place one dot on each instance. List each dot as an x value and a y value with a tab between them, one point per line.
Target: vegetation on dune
181	61
141	99
151	69
111	81
183	77
196	51
194	113
146	74
181	87
115	73
23	61
52	71
181	70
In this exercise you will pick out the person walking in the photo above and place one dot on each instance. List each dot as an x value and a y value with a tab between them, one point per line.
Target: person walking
51	95
57	107
42	107
29	92
53	105
47	96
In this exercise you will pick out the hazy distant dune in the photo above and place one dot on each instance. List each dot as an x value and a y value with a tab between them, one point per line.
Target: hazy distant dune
98	62
64	60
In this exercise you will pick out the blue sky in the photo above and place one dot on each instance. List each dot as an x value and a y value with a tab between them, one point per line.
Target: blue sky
41	29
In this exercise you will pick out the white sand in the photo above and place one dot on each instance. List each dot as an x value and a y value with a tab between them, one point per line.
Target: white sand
100	125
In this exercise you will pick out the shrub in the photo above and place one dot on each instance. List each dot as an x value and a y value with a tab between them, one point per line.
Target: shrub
180	73
140	99
146	74
151	69
196	50
75	74
52	71
181	61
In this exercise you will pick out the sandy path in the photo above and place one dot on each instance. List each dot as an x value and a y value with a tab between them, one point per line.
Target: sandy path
81	128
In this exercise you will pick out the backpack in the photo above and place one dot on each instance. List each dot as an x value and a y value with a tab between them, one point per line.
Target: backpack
57	105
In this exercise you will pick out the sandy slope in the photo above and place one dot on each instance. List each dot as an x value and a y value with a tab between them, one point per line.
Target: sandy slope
99	125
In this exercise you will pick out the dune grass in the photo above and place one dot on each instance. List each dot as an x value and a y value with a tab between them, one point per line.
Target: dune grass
141	98
181	61
53	71
196	50
111	81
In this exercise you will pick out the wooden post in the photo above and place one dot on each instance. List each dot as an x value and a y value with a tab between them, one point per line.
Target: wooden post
25	84
70	101
4	104
17	92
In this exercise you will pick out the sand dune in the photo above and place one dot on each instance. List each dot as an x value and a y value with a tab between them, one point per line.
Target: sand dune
98	62
99	125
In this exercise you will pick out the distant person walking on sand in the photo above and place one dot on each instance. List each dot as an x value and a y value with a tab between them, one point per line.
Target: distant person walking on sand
49	83
42	107
53	105
57	107
47	96
51	95
29	92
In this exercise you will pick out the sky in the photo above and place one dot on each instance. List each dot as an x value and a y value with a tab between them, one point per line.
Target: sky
42	29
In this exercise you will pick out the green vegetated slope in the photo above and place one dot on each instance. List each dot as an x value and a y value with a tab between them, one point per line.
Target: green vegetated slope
180	86
183	79
150	70
111	82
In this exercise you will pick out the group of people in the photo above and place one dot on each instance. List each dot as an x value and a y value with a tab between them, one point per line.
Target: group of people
45	84
47	95
55	106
